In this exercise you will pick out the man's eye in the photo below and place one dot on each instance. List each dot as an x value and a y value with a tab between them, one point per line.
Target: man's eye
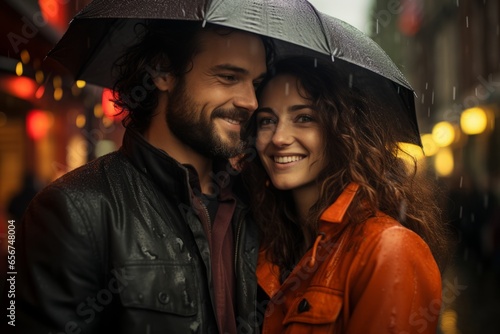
226	77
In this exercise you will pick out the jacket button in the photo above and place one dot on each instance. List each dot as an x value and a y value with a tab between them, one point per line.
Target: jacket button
163	297
304	306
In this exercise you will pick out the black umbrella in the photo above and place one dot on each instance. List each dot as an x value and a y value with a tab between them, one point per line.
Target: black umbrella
98	34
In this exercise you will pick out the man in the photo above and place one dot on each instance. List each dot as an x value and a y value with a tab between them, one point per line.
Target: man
151	239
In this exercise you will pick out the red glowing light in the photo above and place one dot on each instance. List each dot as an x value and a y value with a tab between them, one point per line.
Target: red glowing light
38	124
21	87
108	107
54	12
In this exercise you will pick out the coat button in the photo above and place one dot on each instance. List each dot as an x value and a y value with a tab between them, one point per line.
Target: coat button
304	306
163	297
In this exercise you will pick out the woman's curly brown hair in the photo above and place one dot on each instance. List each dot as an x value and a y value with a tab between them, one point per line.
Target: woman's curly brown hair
362	147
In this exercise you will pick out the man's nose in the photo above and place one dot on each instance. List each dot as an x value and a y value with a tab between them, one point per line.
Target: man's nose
246	99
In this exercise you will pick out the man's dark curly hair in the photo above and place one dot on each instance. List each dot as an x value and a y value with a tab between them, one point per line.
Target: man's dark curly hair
164	46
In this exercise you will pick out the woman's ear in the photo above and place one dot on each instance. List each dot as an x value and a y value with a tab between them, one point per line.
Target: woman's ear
164	81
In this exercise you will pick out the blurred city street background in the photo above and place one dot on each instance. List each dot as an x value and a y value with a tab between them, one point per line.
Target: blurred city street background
449	50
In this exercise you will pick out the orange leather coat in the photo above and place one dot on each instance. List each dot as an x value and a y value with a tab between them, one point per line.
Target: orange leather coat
381	279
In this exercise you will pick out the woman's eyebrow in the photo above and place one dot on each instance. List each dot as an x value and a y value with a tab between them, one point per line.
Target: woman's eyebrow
264	109
298	107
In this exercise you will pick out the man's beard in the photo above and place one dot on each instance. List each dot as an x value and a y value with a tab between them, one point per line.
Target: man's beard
198	131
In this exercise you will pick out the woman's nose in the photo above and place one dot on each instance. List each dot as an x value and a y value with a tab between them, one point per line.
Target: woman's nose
282	135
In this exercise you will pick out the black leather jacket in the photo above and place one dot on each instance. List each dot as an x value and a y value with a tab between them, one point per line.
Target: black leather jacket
113	247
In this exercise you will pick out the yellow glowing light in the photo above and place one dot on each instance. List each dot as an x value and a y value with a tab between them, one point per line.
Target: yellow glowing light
429	145
107	122
80	121
19	69
449	322
443	162
58	94
410	152
39	76
25	56
443	134
473	121
80	83
98	112
57	81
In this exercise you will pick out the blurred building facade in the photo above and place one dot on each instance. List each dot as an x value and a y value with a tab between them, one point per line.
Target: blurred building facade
49	124
450	52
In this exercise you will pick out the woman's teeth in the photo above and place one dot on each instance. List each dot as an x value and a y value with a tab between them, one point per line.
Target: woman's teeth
288	159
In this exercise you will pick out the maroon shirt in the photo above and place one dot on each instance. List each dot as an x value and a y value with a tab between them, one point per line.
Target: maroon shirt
217	223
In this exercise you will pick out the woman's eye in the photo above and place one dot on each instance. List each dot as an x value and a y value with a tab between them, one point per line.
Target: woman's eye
304	119
265	121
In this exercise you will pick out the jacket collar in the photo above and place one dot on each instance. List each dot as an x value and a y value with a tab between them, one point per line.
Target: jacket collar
268	273
173	178
335	213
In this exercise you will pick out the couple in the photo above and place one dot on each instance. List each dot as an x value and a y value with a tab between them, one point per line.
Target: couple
318	227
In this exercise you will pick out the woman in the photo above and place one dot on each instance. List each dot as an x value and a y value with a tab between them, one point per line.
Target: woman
350	237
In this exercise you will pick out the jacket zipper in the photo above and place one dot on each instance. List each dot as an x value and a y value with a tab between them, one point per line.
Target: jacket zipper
237	243
207	221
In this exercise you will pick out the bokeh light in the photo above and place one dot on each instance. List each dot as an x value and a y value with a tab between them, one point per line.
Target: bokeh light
473	121
443	134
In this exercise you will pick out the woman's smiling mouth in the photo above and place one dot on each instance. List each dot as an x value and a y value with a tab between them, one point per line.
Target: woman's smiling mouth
287	159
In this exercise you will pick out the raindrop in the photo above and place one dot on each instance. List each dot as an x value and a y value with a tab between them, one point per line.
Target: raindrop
180	243
472	218
454	92
183	12
195	326
458	3
333	58
350	80
428	111
461	181
467	21
315	62
423	98
432	98
148	328
426	85
204	23
149	253
460	213
376	27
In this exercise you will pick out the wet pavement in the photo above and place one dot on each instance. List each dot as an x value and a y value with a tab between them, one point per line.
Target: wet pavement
471	295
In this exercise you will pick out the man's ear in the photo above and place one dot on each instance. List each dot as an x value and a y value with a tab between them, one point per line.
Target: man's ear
164	81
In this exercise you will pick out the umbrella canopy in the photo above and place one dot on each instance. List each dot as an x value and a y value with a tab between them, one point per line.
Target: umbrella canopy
98	34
